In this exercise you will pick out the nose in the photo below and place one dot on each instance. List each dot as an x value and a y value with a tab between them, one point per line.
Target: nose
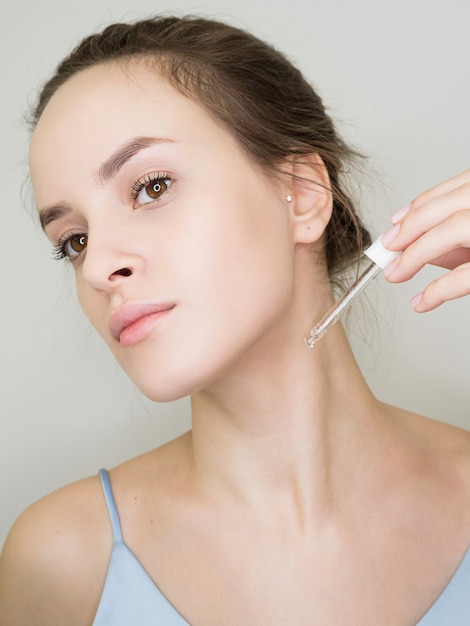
108	262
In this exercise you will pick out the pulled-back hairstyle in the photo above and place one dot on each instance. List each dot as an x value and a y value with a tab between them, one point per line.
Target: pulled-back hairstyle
261	97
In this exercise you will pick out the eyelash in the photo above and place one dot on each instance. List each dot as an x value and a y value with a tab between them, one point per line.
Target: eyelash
149	179
58	250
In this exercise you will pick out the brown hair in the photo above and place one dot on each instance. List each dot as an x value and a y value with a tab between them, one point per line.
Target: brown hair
260	96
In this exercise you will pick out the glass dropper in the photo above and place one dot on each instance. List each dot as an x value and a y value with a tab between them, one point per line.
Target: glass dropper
380	257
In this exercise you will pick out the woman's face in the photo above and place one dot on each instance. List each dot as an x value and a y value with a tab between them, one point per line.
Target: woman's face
182	249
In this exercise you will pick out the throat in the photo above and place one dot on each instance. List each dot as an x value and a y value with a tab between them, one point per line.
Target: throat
279	443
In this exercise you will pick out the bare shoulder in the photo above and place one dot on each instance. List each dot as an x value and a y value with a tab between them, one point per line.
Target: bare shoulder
444	449
53	564
455	444
158	471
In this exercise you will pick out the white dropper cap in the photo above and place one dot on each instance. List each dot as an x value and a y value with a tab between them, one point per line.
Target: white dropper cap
379	254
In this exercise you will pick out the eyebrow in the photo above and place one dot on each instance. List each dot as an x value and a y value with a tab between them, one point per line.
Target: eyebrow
106	171
123	154
53	213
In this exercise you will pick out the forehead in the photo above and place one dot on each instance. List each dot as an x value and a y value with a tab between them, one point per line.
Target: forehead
111	94
105	103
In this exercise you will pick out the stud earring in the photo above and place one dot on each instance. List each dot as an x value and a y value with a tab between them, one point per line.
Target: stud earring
289	198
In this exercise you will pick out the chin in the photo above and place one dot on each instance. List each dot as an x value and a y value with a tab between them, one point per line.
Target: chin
164	395
164	373
161	388
167	385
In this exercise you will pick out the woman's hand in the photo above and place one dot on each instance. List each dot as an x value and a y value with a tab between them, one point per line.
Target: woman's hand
434	228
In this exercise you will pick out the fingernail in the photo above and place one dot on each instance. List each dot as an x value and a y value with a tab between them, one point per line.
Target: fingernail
388	269
390	235
416	300
400	214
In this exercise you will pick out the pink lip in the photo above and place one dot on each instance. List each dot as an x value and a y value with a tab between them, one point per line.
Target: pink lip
131	323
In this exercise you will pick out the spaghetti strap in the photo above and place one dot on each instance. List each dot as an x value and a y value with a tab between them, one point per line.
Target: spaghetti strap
111	504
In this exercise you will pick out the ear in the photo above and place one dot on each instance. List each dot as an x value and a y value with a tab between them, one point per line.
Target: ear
312	199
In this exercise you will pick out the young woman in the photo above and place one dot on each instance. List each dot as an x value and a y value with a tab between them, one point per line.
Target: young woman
192	178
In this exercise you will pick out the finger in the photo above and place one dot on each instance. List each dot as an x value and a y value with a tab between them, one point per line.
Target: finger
420	219
434	192
443	241
453	259
442	188
454	284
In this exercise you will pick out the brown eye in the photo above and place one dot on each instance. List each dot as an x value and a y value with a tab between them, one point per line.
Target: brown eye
151	189
156	188
75	245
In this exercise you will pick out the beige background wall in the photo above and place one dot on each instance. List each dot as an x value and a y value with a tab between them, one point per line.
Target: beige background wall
395	75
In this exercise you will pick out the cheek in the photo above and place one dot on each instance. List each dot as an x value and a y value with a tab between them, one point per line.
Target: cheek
93	305
242	271
257	255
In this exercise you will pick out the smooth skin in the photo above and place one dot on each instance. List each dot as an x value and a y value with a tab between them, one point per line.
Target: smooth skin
298	497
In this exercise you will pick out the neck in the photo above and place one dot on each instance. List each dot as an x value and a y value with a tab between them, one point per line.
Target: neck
275	434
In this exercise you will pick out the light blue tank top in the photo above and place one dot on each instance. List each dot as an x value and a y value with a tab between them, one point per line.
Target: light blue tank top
131	598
